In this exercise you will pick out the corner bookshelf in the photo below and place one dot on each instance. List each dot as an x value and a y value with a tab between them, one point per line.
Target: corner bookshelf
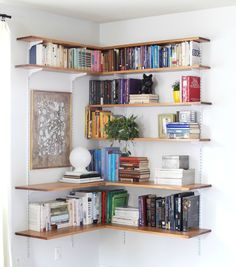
57	186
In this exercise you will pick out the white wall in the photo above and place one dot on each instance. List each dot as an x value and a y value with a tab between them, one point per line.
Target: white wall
218	203
76	251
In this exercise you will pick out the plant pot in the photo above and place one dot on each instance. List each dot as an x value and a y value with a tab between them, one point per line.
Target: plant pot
176	96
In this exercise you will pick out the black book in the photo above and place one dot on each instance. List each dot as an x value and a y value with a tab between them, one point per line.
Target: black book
151	210
179	211
159	212
190	206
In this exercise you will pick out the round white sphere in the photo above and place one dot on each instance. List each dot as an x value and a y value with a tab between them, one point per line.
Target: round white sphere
80	158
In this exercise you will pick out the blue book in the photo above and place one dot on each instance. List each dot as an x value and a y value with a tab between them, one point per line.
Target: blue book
177	125
32	55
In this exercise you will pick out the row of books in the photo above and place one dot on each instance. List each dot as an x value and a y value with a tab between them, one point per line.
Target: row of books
183	130
55	55
134	169
179	212
106	161
140	57
78	208
95	121
115	91
152	56
171	124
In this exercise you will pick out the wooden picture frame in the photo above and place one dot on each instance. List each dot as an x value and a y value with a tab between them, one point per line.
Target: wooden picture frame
50	129
163	119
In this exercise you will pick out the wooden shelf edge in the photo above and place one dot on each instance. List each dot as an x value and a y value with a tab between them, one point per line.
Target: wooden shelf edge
68	231
159	104
151	230
153	185
93	227
69	70
32	38
58	186
55	69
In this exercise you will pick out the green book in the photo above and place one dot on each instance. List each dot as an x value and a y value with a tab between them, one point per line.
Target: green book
115	199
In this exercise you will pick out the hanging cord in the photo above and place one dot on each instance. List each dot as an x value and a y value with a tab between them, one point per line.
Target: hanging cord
4	17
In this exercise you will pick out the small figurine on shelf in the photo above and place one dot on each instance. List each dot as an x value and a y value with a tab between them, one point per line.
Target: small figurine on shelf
176	91
147	84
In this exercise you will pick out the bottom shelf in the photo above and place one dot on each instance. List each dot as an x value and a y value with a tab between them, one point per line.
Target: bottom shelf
93	227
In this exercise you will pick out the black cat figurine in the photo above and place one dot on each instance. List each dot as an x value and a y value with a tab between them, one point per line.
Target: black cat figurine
146	84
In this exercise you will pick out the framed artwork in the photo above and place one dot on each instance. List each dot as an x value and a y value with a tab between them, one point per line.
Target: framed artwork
163	119
50	135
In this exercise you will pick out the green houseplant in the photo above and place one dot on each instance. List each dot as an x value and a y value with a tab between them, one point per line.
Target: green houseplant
176	91
122	129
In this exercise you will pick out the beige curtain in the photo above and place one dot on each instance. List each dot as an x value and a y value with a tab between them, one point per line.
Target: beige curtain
5	147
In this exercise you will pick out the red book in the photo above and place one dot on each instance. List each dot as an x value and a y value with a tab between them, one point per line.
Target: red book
190	88
104	201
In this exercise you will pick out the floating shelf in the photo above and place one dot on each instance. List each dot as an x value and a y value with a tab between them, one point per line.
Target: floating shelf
68	231
58	186
33	38
49	187
157	231
74	71
164	104
152	185
156	139
54	69
93	227
168	69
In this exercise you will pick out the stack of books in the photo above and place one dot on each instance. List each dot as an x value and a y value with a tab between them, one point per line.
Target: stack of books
183	130
143	98
73	177
115	91
175	171
179	212
126	216
134	169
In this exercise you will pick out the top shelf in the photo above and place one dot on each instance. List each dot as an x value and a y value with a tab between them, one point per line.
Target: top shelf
33	38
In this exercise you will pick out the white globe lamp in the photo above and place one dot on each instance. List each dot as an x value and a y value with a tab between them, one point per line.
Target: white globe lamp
80	158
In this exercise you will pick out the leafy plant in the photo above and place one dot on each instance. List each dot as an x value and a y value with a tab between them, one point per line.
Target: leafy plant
122	129
176	86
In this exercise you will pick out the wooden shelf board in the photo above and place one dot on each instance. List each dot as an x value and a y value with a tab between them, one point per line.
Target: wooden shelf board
153	185
157	231
161	42
156	139
75	71
68	231
167	69
58	186
54	69
33	38
93	227
163	104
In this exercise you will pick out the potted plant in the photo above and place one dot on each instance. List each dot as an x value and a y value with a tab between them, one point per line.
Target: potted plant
176	91
122	129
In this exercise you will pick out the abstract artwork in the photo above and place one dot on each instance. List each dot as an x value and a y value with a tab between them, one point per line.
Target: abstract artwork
50	129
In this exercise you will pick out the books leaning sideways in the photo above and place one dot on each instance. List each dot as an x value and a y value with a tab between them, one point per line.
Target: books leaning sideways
73	177
183	130
143	98
134	169
126	216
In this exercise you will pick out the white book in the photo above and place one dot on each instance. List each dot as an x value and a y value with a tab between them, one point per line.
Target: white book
175	173
87	206
195	53
81	181
40	54
179	181
35	217
124	221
